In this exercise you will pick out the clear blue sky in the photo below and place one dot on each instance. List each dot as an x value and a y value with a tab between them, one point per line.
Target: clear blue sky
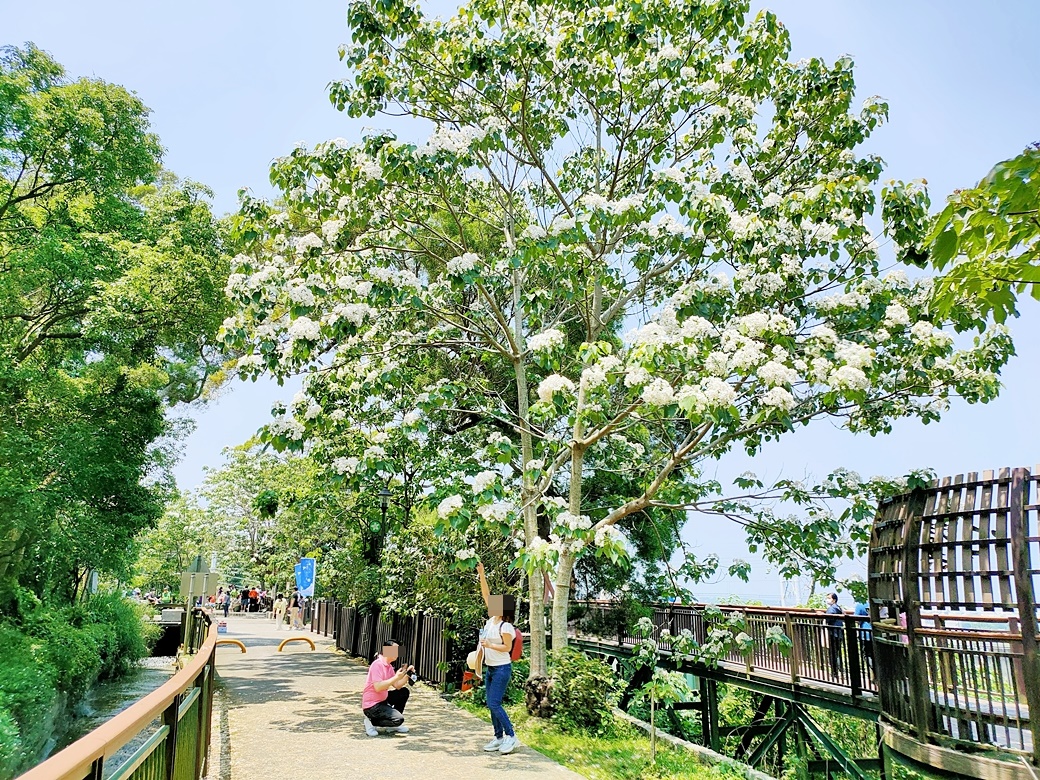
233	84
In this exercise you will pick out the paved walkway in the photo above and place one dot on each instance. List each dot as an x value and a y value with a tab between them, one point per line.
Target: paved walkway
296	715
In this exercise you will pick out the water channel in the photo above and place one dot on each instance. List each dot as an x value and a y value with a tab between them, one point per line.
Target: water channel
108	699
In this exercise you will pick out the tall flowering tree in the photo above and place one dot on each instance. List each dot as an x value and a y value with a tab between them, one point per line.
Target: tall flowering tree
634	238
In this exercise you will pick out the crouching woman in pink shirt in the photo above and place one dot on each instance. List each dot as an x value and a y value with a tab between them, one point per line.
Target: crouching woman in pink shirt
386	693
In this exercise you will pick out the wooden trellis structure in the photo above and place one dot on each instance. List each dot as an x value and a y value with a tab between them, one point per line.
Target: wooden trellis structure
953	592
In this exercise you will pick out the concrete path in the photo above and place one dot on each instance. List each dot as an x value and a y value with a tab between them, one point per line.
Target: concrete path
296	715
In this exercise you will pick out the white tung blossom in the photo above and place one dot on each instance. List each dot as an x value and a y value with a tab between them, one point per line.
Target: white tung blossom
780	398
658	393
449	506
552	384
345	465
546	340
484	480
463	263
305	328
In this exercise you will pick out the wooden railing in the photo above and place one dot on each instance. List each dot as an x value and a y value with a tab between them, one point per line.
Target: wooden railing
828	650
177	716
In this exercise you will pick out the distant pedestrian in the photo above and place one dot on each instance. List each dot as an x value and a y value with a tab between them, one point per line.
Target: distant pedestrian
865	631
279	611
294	610
834	630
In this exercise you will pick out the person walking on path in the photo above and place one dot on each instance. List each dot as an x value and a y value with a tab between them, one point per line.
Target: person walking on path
279	612
496	640
294	610
386	693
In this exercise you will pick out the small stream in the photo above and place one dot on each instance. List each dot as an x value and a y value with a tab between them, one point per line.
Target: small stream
107	700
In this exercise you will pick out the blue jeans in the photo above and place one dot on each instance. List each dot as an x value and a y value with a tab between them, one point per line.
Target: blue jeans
497	679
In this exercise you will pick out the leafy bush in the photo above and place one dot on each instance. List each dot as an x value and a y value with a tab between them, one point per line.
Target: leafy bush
584	691
27	691
44	652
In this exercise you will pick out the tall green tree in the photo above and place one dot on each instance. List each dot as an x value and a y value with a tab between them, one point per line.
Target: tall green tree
111	290
659	168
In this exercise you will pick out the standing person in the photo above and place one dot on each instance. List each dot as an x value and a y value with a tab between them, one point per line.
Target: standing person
386	692
294	610
835	623
254	599
279	611
865	632
225	603
496	640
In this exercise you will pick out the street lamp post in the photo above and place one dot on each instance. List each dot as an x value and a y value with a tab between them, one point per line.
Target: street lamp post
384	503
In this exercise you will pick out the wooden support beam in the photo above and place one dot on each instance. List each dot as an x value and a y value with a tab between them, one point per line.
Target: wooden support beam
1026	601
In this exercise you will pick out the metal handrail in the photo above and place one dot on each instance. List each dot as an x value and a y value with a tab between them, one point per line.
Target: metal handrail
84	757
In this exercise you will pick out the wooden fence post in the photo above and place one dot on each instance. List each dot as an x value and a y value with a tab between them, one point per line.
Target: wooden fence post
1026	600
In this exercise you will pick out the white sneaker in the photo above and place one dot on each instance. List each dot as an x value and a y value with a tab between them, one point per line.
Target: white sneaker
402	729
371	730
508	744
493	745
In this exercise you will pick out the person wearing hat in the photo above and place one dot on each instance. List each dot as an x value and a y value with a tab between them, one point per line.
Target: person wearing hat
496	642
386	693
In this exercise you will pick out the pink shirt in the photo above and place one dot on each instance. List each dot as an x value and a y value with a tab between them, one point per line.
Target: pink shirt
379	671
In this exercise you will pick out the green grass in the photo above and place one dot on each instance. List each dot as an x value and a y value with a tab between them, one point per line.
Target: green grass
621	754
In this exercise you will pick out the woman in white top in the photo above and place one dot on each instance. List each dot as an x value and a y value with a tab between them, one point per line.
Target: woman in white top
496	639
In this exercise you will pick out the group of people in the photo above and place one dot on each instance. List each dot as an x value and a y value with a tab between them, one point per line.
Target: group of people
291	606
835	640
386	688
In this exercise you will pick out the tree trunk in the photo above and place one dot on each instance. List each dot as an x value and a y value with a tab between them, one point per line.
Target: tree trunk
562	599
527	493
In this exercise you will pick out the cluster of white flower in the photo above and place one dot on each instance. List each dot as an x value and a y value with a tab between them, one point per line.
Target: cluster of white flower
411	418
607	534
497	512
776	374
596	374
250	361
573	522
596	202
345	465
546	340
463	263
330	229
636	375
658	393
561	225
369	168
449	506
669	52
848	378
446	139
305	329
313	411
299	293
852	354
780	398
288	427
484	480
676	175
354	313
552	384
712	392
309	241
533	231
466	554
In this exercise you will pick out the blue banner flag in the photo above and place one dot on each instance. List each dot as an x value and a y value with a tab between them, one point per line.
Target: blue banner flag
296	569
307	566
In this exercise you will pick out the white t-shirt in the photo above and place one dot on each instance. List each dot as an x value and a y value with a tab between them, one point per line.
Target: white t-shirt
493	630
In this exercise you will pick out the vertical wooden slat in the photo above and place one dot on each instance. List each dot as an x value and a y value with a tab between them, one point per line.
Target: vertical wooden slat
968	537
986	542
1003	564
